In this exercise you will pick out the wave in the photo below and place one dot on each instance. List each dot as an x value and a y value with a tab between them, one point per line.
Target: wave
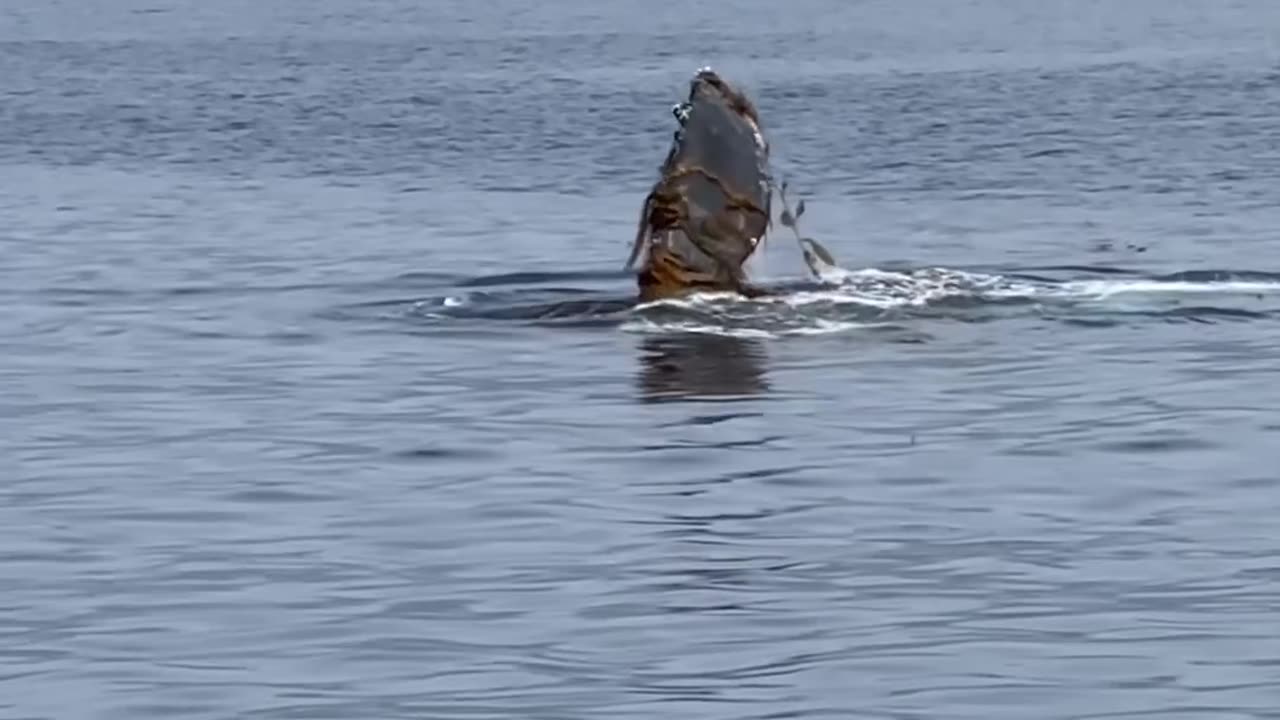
874	299
844	301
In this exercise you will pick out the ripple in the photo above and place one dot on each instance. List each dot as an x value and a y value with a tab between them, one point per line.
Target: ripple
879	301
324	394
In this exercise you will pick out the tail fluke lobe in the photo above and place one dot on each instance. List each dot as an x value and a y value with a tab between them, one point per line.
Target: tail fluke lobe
819	260
821	263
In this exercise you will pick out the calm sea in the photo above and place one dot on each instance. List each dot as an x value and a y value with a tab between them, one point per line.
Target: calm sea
322	394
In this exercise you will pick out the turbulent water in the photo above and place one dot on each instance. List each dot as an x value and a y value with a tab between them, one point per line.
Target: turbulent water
325	394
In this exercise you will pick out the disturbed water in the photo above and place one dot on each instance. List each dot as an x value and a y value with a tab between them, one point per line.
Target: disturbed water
324	395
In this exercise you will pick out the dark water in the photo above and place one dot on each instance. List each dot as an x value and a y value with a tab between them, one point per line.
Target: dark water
323	397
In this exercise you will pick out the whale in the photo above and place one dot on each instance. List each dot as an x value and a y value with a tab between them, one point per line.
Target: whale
710	208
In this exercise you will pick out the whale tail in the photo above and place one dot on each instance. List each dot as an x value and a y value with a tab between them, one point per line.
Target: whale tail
709	210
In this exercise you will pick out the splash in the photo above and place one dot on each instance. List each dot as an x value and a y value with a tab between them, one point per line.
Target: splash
845	301
868	300
1105	289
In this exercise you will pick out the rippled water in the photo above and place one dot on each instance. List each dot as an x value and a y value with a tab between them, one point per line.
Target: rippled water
325	395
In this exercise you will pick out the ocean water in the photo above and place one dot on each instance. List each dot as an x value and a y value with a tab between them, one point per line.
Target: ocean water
323	393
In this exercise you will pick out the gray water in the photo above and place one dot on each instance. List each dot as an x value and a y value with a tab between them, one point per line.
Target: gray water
324	395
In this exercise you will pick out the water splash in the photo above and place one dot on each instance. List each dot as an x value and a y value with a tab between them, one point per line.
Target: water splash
848	301
872	298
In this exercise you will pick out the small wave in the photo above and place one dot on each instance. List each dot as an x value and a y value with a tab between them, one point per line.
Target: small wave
1112	288
1221	276
862	300
541	278
1207	313
850	301
818	326
873	298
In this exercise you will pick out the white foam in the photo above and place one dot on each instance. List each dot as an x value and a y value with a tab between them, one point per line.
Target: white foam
817	326
923	286
694	300
864	297
646	325
1102	289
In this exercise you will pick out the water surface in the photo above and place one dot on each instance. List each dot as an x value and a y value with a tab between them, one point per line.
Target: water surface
324	395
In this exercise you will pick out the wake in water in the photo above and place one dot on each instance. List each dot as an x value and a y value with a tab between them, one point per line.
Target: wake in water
710	210
840	300
843	301
871	298
834	299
